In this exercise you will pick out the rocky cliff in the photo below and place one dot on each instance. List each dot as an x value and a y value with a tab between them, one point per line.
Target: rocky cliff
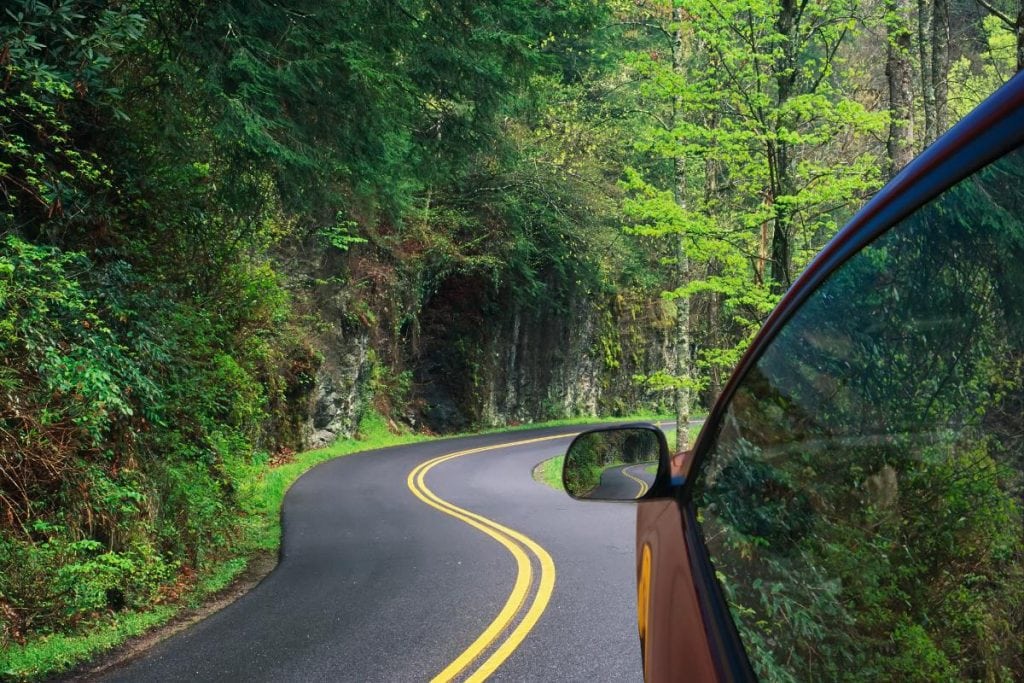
472	354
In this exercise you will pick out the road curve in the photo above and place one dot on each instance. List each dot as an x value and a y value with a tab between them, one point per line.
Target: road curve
623	482
376	583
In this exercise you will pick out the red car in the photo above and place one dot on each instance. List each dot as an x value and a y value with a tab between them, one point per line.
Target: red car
853	508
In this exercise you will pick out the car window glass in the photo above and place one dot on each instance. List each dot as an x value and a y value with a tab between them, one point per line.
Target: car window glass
862	502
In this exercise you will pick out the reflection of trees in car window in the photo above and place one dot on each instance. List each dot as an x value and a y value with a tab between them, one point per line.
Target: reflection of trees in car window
863	503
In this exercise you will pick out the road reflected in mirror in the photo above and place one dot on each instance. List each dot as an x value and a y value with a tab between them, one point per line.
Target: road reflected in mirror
618	463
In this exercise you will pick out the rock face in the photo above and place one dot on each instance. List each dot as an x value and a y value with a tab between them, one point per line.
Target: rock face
472	356
343	345
544	366
336	404
488	360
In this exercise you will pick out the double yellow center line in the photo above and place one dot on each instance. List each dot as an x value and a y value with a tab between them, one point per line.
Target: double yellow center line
638	480
523	549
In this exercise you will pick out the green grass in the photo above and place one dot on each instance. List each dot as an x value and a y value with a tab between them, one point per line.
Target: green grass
220	577
670	436
261	498
550	472
57	652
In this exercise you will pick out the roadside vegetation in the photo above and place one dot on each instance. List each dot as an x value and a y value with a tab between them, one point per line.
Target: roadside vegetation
550	472
257	531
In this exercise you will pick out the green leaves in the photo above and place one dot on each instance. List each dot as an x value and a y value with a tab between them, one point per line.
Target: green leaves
339	235
51	328
54	63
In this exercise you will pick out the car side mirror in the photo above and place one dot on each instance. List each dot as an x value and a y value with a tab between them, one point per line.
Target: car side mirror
617	463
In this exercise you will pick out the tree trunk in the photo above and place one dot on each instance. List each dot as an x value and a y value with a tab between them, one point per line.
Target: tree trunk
924	32
1020	35
684	370
781	258
940	63
900	143
786	72
714	309
762	252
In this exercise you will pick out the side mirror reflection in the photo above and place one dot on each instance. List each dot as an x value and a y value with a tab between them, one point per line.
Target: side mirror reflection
617	463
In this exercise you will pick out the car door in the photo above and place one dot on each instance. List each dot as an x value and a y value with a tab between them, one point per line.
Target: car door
854	506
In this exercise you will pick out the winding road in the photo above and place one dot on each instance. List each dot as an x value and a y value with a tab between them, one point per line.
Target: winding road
624	482
436	561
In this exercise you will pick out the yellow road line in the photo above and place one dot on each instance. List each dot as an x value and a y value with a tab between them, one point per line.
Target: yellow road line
513	541
643	484
515	599
540	603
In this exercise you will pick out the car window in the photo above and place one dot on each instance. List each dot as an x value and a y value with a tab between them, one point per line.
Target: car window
862	500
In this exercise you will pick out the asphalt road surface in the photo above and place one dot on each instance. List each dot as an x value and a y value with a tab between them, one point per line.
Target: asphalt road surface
624	482
403	565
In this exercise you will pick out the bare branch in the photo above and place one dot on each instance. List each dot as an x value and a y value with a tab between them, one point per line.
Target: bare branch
996	13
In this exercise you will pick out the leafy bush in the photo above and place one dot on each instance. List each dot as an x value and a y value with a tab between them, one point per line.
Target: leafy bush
128	421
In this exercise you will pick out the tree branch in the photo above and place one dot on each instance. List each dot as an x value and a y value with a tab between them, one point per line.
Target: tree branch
996	13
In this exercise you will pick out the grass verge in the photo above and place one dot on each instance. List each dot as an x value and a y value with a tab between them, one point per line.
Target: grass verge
260	536
550	472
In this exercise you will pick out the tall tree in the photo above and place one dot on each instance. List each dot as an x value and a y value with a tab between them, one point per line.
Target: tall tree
940	63
899	76
779	74
655	105
924	56
683	357
749	123
933	55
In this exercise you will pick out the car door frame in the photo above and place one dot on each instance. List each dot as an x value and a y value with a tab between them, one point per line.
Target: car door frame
993	129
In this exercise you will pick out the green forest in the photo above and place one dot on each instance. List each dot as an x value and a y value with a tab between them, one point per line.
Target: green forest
233	231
